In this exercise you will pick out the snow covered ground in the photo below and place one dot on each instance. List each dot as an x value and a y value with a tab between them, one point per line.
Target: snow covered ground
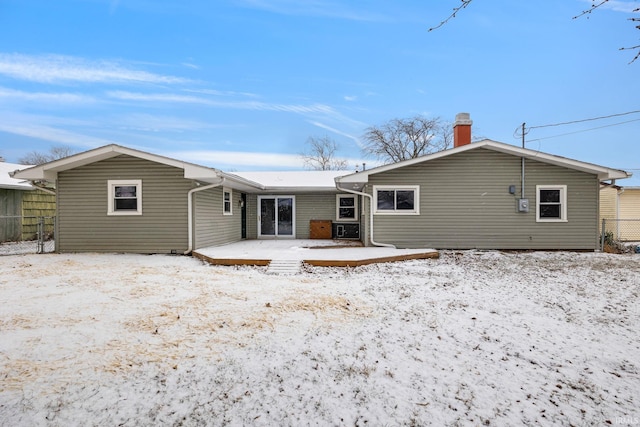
472	338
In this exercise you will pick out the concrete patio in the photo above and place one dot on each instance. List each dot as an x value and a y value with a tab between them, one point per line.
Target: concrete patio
324	253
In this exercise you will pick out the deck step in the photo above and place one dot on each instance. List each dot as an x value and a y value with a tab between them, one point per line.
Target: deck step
284	266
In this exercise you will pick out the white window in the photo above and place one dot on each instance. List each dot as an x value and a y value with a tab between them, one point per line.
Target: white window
346	207
551	203
388	199
125	197
226	201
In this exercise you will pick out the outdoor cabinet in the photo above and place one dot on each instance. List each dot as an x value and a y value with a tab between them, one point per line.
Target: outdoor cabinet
320	229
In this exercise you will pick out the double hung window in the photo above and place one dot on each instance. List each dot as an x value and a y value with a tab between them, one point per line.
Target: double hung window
551	203
346	207
226	202
125	197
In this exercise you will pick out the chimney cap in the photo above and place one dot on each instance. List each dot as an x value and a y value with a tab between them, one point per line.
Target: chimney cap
463	119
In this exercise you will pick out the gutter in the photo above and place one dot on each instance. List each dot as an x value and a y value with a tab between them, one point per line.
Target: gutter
190	210
46	190
359	193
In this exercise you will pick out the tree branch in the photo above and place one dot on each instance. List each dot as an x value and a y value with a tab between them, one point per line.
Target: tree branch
464	4
591	9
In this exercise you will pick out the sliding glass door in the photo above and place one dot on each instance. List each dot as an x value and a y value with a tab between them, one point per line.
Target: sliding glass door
277	216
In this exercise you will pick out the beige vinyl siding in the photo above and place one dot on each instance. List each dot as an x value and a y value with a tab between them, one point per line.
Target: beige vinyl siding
313	206
212	227
465	203
629	203
608	208
84	226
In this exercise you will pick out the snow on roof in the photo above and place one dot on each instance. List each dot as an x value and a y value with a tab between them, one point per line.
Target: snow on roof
10	183
294	179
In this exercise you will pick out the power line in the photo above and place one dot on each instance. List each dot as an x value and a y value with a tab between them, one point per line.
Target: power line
584	120
580	131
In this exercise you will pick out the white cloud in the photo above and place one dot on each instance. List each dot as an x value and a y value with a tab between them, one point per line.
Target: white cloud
617	5
622	6
251	160
350	98
338	132
62	98
151	123
48	133
214	92
323	8
60	69
243	159
241	105
190	65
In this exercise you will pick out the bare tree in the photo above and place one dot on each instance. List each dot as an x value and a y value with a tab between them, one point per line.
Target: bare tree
403	139
37	158
595	4
321	155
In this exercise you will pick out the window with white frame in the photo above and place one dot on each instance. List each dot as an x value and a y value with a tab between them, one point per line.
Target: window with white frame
399	200
551	203
125	197
346	207
226	201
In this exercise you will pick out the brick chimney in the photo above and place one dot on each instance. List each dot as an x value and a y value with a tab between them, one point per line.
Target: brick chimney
462	130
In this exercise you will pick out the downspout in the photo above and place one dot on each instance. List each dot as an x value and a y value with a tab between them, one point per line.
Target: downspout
190	210
373	242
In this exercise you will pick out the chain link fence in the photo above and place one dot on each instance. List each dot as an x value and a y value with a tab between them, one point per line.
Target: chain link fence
27	234
620	235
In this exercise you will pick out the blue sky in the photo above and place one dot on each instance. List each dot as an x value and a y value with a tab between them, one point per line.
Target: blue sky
241	84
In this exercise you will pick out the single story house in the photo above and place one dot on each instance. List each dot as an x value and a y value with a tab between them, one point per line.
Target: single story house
486	195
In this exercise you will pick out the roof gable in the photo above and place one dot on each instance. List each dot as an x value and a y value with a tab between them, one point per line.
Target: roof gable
602	172
50	170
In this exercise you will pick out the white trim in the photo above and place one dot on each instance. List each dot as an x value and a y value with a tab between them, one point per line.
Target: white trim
602	172
563	203
355	207
112	184
224	210
49	171
395	211
293	218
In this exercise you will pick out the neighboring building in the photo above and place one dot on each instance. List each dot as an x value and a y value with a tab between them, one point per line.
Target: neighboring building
620	208
117	199
20	205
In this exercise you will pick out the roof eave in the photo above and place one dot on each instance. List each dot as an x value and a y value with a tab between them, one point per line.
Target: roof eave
302	189
603	173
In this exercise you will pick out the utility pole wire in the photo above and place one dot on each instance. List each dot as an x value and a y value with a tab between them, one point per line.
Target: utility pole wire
584	120
584	130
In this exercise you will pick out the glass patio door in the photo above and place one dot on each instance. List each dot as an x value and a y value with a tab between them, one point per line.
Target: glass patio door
277	216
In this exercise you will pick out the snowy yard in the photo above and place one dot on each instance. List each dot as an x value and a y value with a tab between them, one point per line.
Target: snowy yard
473	338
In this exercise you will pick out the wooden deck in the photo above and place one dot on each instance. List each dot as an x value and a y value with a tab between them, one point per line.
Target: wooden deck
323	253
